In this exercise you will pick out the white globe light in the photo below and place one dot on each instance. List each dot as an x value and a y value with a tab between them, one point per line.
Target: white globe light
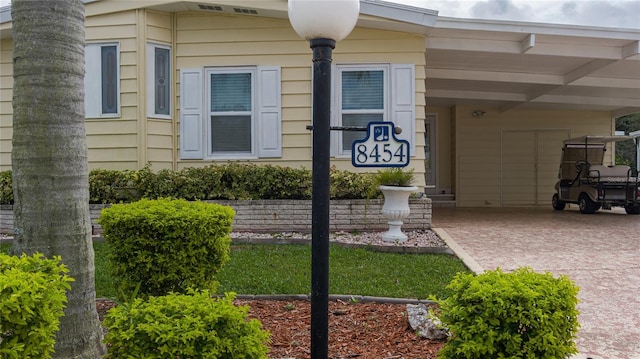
329	19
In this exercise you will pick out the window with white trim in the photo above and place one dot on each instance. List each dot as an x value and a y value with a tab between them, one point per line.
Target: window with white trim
372	93
362	99
230	113
102	80
158	81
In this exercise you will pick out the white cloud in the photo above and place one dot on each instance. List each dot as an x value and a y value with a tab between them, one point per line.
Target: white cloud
611	13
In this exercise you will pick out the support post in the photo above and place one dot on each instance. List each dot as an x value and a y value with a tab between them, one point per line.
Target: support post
322	49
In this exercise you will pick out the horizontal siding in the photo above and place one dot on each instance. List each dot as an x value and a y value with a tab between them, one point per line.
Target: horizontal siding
6	109
221	40
109	164
113	142
159	127
5	161
107	155
159	27
160	145
160	148
119	18
157	34
157	158
110	32
110	141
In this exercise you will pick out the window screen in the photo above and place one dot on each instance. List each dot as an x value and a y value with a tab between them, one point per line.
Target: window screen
362	102
362	90
109	79
162	81
231	116
230	92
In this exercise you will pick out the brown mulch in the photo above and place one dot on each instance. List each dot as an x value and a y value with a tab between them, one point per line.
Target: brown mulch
356	330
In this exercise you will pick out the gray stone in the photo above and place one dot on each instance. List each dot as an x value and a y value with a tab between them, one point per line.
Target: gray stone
425	325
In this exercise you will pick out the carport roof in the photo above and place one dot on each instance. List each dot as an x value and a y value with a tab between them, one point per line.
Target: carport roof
529	65
480	63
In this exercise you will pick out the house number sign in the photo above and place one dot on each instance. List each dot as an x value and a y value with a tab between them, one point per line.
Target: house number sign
380	148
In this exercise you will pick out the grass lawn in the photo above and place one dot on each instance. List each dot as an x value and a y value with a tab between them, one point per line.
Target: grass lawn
286	269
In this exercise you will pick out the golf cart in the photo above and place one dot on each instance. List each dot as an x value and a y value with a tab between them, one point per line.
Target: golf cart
585	180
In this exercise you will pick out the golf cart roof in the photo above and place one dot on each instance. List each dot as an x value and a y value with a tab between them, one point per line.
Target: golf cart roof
592	140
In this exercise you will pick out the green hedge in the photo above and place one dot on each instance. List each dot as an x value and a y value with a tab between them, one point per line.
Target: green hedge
6	188
522	314
32	300
184	326
167	245
231	181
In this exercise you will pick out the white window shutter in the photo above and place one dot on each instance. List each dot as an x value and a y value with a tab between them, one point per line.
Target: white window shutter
191	125
92	81
334	112
269	112
403	106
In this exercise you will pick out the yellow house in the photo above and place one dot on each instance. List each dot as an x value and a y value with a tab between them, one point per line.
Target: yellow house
485	105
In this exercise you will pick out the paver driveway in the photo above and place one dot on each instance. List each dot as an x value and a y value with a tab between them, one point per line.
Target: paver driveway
600	252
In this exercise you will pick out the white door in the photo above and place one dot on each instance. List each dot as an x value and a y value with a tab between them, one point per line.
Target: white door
529	165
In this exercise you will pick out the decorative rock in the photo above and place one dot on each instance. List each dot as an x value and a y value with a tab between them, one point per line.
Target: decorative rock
423	324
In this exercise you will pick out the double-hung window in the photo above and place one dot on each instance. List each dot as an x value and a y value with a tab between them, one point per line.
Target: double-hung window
230	113
362	99
231	120
372	93
102	80
159	81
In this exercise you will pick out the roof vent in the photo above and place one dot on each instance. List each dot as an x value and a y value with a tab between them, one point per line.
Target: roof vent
245	11
210	7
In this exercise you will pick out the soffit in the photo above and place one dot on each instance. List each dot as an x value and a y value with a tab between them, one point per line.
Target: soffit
532	66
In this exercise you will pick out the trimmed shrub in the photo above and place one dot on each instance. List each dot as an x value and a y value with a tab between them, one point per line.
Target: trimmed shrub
349	185
6	188
230	181
112	186
184	326
32	300
167	245
522	314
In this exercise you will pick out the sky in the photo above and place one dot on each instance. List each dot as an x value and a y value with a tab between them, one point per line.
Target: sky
607	13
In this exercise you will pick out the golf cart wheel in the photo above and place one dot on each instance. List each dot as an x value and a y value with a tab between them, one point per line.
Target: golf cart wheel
632	208
587	206
557	204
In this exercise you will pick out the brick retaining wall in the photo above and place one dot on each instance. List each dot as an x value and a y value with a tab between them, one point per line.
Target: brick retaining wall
291	215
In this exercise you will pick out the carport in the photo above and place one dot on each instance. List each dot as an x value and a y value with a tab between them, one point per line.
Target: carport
502	96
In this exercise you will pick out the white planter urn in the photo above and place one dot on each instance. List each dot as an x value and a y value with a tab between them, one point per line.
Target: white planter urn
395	209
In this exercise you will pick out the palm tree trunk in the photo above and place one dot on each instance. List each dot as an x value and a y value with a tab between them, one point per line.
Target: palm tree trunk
49	158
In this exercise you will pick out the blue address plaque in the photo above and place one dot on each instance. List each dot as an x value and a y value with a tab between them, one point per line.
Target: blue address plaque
380	148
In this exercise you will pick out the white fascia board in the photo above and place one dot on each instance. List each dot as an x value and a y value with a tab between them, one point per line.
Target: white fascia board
588	100
5	11
537	28
399	12
515	47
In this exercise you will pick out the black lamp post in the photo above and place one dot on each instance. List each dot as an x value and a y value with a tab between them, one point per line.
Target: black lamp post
322	23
